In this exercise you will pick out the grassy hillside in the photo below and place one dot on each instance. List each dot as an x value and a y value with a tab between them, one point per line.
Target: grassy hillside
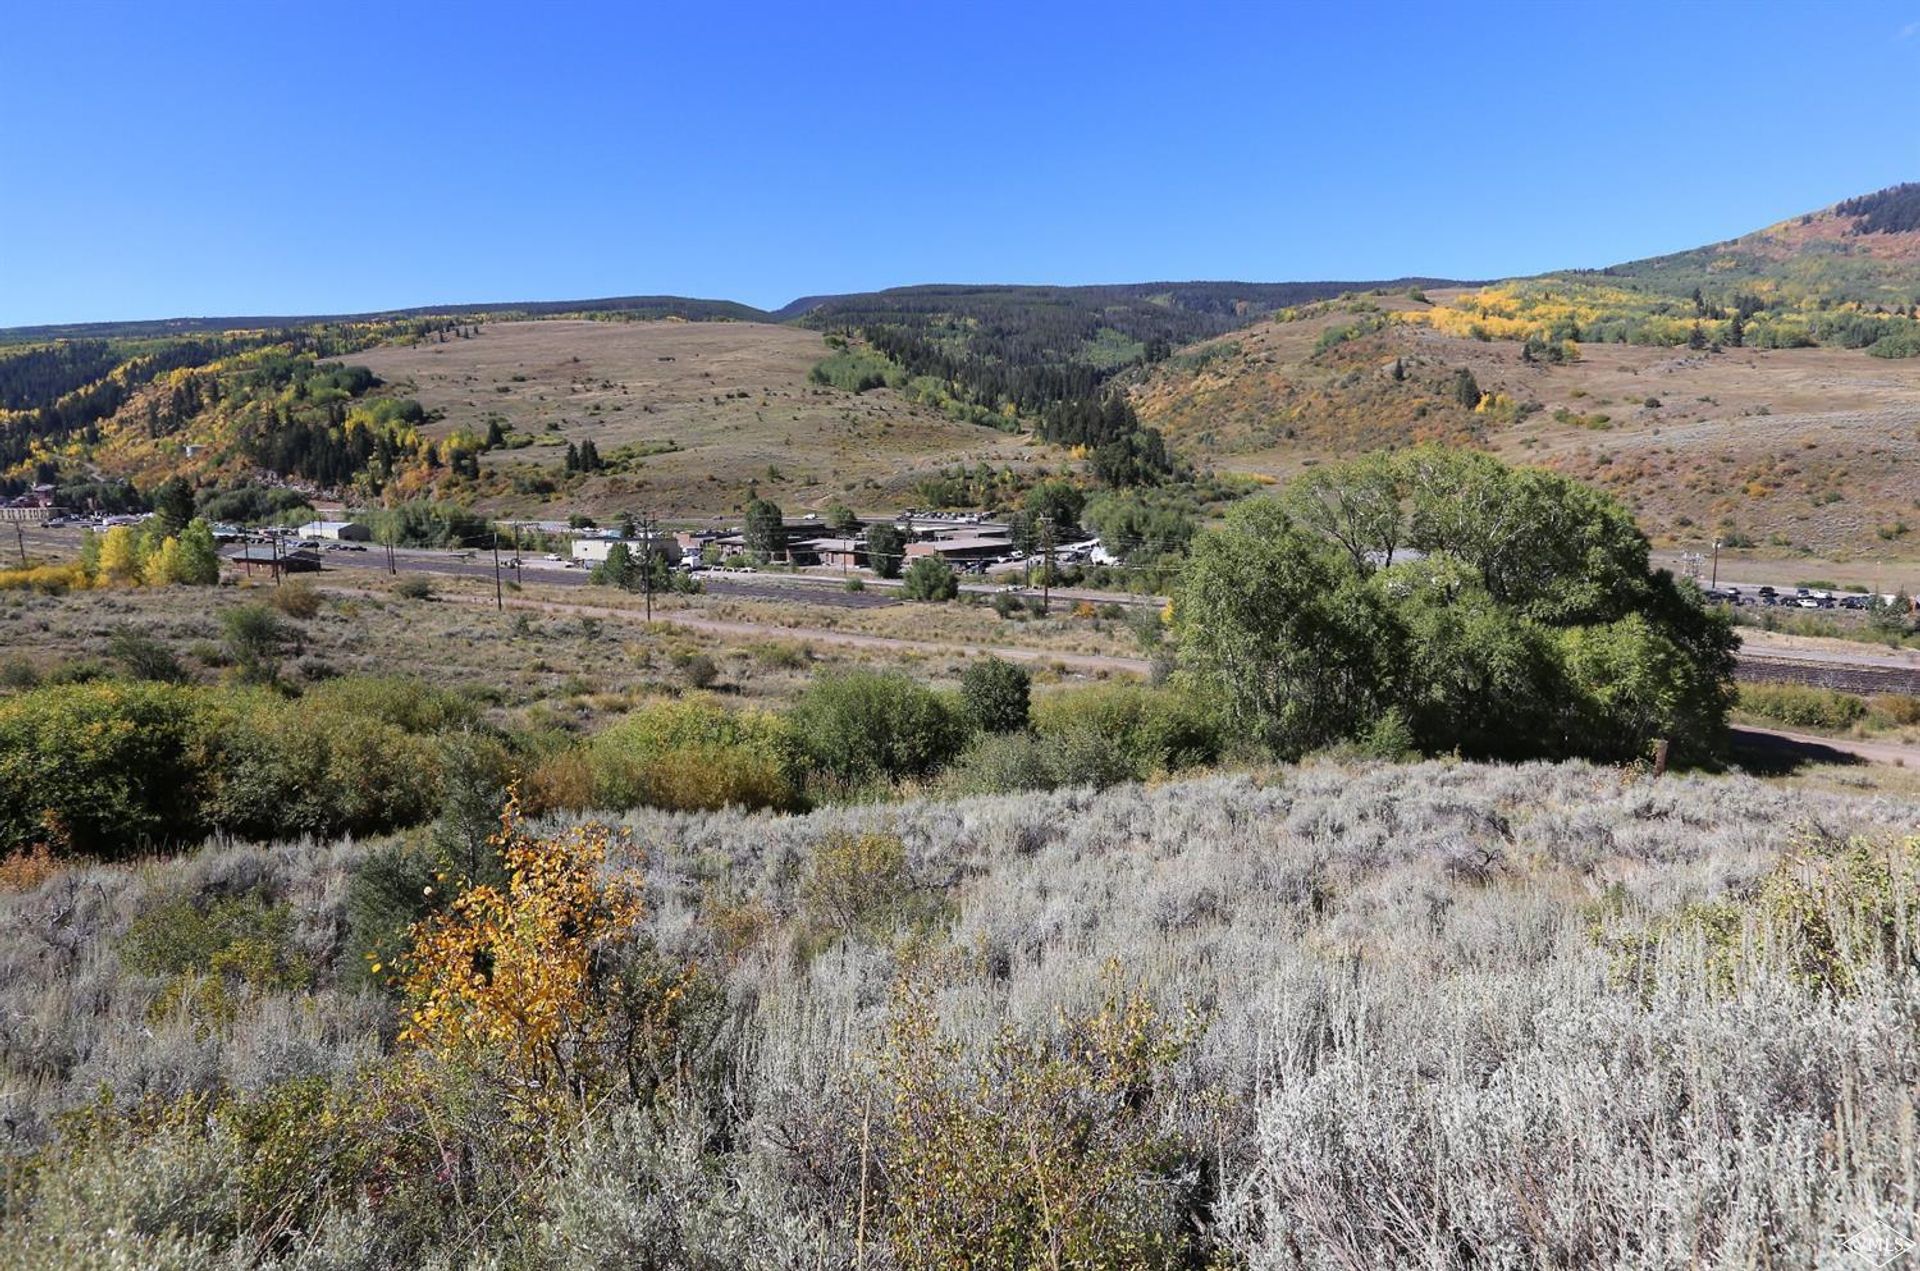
993	353
159	328
1865	249
1787	451
1724	393
685	416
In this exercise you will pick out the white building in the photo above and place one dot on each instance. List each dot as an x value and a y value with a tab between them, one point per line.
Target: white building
344	531
593	551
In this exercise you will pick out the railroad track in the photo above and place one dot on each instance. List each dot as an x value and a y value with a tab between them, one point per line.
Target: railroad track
1846	677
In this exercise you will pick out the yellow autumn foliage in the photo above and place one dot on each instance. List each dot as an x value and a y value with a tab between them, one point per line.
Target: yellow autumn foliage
521	980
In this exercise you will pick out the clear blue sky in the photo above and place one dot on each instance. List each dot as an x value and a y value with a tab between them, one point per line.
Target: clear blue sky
202	158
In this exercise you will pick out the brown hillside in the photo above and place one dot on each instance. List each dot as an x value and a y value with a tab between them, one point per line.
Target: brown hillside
711	406
1803	450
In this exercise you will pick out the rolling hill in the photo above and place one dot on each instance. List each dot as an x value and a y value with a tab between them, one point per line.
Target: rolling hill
1865	249
1726	392
478	403
686	415
1763	391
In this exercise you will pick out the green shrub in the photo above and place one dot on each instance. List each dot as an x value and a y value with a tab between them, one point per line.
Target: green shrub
257	638
144	657
205	944
103	769
1898	709
693	755
313	768
414	587
1834	915
1002	763
699	671
995	694
296	598
932	579
1030	1150
1802	705
413	706
1120	732
861	884
18	672
856	726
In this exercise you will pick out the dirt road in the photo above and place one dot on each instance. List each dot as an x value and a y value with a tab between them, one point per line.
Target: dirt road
1816	749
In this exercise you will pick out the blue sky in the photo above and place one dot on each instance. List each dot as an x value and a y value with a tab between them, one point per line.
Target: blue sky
200	158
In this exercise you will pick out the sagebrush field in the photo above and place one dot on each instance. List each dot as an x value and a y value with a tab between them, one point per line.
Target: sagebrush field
1442	1015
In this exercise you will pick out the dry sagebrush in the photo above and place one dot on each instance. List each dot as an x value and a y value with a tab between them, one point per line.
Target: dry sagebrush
1447	1015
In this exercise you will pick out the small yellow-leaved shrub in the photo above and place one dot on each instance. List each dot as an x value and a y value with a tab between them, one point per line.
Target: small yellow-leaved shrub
524	985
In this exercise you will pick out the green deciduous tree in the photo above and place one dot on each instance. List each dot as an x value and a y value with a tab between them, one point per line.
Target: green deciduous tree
886	549
1529	621
199	557
996	694
930	578
1058	499
840	518
1302	648
765	530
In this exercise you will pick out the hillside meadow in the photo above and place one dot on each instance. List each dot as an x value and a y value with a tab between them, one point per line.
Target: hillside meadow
1794	453
703	408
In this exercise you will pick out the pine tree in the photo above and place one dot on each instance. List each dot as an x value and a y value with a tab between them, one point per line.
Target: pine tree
1466	389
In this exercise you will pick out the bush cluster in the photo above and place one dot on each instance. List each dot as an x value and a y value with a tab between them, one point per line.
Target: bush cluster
110	768
1803	705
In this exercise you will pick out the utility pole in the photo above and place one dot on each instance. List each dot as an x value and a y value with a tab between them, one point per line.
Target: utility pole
276	559
646	561
20	537
499	601
1046	563
1715	584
